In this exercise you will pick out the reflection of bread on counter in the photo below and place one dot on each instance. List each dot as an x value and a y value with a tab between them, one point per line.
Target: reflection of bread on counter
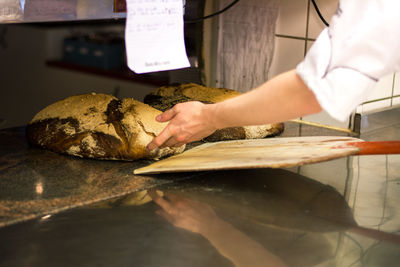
133	199
166	97
98	126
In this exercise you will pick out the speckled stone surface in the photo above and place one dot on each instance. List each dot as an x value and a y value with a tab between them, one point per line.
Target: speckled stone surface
35	182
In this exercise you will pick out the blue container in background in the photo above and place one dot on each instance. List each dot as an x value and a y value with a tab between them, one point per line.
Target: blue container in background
106	56
70	50
98	52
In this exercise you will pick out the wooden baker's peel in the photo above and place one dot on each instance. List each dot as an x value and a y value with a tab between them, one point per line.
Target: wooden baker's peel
268	153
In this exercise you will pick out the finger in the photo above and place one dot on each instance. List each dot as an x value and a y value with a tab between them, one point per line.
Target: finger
180	203
151	146
164	204
171	142
153	193
172	197
166	216
178	144
159	140
166	115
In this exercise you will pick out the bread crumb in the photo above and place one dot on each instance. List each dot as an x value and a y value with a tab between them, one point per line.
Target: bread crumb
74	150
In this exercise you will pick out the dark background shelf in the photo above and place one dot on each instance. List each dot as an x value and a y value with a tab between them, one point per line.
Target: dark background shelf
158	78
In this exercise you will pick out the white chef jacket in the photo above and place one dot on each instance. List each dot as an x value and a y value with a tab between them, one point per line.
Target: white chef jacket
361	45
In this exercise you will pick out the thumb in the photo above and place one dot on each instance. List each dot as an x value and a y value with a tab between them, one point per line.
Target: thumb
166	115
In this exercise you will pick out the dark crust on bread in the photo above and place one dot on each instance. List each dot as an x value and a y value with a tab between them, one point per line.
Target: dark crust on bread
49	134
276	130
113	111
164	103
58	140
231	133
114	116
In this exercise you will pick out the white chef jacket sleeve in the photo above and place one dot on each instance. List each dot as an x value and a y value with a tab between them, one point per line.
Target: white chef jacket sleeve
361	45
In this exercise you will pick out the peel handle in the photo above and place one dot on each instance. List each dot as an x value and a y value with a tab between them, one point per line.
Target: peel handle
377	147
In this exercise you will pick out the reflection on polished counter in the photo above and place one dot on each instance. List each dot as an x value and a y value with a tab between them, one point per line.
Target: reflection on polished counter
343	212
263	217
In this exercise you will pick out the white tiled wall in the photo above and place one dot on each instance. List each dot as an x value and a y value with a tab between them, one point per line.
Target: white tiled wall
298	25
327	8
396	90
396	101
382	89
288	53
292	18
373	106
397	84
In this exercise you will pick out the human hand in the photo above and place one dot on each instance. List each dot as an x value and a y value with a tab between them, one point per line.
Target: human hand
188	122
184	213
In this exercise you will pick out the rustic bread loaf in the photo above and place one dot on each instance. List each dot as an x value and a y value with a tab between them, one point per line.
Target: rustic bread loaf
98	126
166	97
195	92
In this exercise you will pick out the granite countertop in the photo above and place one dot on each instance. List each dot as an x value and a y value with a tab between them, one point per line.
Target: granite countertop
59	210
35	182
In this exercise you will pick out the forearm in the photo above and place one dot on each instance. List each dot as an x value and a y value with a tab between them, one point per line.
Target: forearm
280	99
238	247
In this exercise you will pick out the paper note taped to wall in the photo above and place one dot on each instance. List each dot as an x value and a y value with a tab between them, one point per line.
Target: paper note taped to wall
154	35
